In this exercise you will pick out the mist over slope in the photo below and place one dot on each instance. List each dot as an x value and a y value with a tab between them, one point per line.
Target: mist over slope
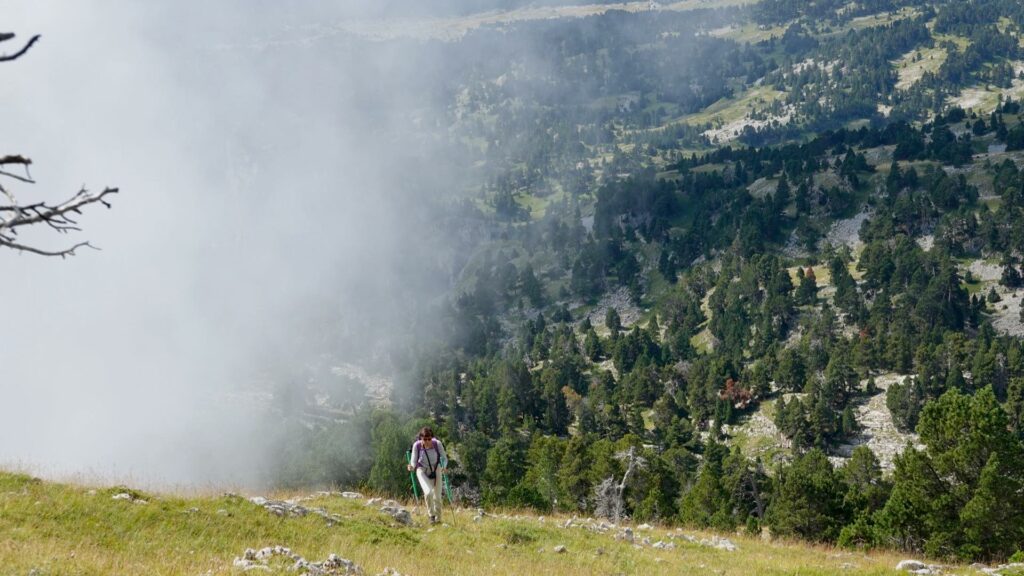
274	218
750	267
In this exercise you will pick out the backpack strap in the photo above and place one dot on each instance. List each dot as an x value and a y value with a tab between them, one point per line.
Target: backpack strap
433	469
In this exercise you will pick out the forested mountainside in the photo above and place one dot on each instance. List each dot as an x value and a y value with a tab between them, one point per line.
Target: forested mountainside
758	263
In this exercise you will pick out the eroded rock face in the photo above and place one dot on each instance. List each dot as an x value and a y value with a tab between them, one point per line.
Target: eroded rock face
878	431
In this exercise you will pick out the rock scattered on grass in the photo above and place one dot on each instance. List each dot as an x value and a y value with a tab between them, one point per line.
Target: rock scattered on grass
918	567
129	497
560	549
1012	568
399	514
713	542
720	543
333	566
260	559
292	509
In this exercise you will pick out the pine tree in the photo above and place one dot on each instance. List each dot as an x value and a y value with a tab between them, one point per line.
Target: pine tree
390	443
545	461
592	345
807	289
848	423
613	322
572	474
993	296
531	287
1015	406
505	467
970	475
867	490
706	503
808	501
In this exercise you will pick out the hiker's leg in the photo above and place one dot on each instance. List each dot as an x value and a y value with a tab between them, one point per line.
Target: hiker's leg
427	485
438	495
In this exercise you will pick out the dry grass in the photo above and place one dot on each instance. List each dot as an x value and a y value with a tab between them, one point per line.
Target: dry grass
913	65
62	529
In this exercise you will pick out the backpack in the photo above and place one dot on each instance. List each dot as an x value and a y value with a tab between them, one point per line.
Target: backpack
431	470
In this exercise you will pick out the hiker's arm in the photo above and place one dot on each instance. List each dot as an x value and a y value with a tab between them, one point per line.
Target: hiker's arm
414	458
443	458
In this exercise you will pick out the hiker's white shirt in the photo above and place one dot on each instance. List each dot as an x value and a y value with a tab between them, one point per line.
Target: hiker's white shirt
424	460
429	458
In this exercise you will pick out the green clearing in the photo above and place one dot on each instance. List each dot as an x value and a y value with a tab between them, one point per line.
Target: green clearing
882	18
913	65
729	110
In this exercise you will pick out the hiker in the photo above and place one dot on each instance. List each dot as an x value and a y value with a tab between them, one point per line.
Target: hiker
429	461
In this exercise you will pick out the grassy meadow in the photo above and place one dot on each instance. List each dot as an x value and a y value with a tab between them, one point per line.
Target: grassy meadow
55	529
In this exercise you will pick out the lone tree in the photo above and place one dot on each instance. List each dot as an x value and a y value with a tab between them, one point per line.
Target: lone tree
15	216
609	495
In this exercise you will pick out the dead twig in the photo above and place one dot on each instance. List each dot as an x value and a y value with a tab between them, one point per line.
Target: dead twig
7	36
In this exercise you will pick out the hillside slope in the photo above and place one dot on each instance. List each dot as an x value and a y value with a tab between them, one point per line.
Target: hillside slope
50	529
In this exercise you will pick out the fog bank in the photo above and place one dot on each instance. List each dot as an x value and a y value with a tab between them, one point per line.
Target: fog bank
271	219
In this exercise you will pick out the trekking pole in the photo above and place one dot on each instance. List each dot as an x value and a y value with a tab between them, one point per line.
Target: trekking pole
448	490
412	480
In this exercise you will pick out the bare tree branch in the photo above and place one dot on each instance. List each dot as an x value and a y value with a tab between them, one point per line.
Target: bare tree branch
27	180
62	253
609	500
15	159
59	217
19	53
58	214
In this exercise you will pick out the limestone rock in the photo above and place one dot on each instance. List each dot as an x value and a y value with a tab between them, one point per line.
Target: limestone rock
1007	569
129	497
918	567
720	543
401	515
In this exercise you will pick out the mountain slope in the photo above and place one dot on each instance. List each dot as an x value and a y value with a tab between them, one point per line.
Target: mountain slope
50	529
